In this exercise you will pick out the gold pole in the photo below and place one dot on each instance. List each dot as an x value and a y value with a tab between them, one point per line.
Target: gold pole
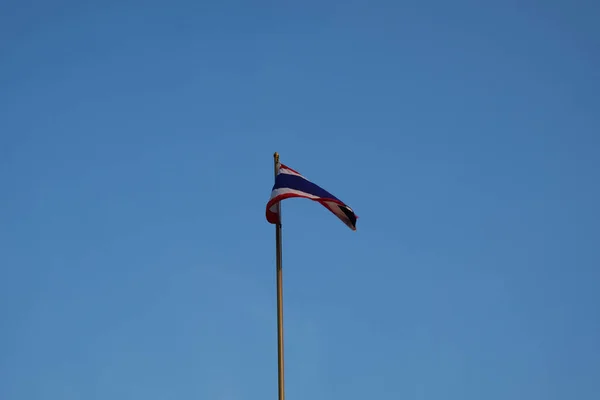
279	294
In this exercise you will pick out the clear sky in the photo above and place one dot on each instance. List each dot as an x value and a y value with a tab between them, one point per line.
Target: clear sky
136	143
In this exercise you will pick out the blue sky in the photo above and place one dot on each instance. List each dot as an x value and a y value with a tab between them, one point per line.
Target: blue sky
136	143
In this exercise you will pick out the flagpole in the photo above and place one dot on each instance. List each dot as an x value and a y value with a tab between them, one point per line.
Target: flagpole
279	293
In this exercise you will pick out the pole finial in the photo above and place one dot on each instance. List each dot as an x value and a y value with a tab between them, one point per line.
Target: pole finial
276	156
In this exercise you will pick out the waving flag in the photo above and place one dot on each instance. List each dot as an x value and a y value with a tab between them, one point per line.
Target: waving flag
289	183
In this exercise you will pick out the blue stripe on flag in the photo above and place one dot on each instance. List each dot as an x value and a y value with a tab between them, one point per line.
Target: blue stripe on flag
298	183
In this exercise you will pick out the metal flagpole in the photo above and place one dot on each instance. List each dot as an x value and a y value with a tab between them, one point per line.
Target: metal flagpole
279	293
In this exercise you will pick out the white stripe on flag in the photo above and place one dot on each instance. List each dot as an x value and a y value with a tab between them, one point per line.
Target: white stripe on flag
283	170
281	191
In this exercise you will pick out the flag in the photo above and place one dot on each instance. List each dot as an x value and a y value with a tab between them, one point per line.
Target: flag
289	183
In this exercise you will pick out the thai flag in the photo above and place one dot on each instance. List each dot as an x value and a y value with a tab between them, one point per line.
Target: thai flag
290	183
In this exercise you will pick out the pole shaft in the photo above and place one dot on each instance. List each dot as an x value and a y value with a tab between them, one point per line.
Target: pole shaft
279	294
